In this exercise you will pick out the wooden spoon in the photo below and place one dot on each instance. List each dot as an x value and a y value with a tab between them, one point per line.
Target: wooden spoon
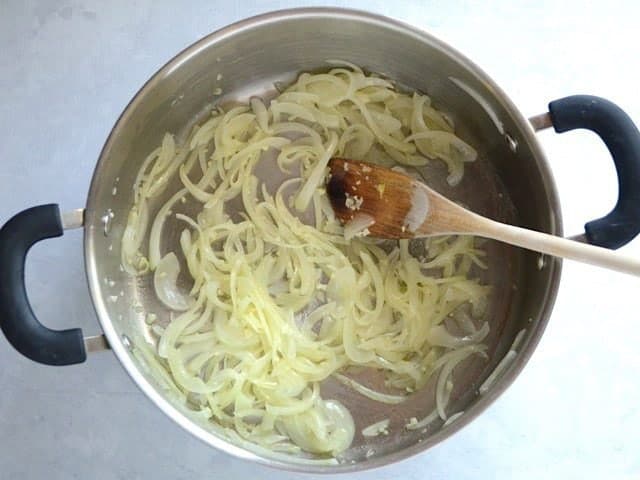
388	204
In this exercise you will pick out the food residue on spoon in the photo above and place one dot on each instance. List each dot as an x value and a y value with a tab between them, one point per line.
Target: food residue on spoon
353	202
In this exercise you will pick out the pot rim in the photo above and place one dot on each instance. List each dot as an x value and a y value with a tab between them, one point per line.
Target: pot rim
118	344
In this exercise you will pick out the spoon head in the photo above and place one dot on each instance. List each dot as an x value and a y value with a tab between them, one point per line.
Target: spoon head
385	203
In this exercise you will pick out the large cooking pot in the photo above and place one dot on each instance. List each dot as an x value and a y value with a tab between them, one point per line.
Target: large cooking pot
511	181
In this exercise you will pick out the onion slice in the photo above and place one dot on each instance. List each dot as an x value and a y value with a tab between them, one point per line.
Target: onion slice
164	282
358	226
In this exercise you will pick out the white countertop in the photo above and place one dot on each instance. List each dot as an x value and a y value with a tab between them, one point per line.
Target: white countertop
68	68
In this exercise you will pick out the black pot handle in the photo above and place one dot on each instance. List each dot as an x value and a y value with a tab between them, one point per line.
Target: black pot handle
622	138
17	320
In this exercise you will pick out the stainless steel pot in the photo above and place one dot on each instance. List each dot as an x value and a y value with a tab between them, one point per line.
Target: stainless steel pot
511	181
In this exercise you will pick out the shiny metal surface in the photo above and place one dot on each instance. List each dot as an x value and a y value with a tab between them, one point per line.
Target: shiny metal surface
72	219
510	183
96	343
541	121
581	237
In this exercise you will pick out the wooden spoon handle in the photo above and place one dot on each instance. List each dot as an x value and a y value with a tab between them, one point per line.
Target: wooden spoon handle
558	246
446	217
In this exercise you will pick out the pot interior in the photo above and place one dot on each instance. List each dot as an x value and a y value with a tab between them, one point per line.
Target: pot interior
509	182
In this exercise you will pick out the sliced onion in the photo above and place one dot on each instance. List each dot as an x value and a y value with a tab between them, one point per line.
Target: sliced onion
164	282
317	175
358	226
449	361
376	429
328	428
157	226
438	335
281	299
370	393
